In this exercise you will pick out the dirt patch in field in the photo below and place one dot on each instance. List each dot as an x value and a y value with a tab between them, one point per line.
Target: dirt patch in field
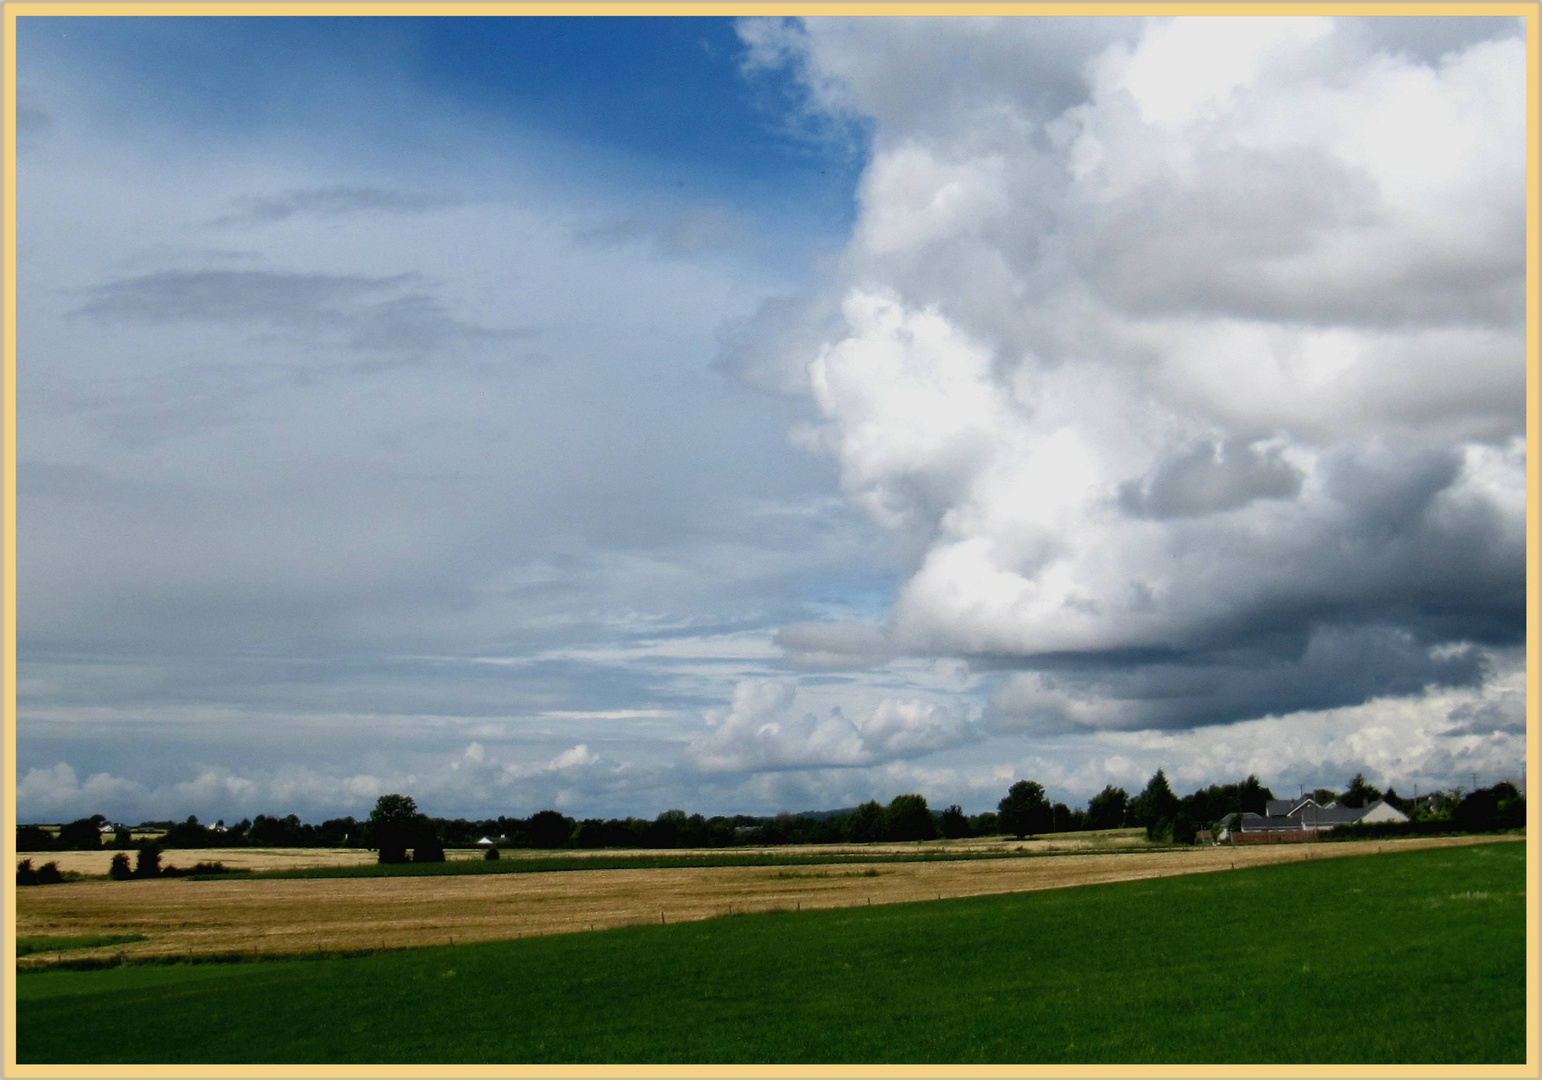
183	917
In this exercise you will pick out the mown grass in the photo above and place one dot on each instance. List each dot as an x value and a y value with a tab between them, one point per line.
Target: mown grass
547	864
26	946
1406	957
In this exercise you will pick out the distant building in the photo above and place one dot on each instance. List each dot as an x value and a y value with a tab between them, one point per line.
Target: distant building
1306	816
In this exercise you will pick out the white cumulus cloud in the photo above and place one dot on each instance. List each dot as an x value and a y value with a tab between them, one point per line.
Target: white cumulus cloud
1195	362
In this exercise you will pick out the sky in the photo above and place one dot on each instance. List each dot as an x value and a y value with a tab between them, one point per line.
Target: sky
762	415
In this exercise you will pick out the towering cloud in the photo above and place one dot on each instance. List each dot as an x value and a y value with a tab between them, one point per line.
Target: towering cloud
1189	353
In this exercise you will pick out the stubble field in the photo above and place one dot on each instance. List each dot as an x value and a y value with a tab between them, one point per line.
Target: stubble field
183	917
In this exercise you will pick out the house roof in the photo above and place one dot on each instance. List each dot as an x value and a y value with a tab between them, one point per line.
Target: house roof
1287	807
1333	814
1271	823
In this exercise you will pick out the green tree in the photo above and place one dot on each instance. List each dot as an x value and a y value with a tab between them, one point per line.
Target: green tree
1253	796
391	825
119	870
1184	828
1106	809
908	817
866	823
1359	793
549	829
1155	806
1025	810
954	823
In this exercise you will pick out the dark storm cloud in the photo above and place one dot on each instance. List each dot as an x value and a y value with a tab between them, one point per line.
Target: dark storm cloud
1336	666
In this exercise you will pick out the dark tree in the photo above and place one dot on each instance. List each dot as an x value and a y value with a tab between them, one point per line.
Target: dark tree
1106	809
1063	819
1359	793
1252	796
391	826
908	817
954	824
119	870
1184	828
1025	810
32	838
491	855
25	874
427	847
149	862
82	835
549	829
1155	806
866	823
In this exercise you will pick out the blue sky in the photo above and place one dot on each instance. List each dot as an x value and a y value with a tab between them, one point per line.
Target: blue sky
623	414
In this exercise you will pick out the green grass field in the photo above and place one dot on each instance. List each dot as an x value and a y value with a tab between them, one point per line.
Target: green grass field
26	946
1406	957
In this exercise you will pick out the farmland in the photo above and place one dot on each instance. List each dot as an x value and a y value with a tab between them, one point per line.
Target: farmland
1413	955
237	916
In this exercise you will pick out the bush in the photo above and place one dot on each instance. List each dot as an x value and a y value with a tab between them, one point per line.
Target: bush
120	870
428	849
48	874
492	855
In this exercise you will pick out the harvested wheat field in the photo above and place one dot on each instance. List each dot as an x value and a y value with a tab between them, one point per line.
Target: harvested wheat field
298	858
273	916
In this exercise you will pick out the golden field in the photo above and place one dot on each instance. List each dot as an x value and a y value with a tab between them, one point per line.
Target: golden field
247	858
276	916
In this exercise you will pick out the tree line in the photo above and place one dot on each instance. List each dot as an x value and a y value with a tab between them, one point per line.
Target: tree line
396	826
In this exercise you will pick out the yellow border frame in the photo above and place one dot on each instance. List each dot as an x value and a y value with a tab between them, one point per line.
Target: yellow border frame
1530	11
